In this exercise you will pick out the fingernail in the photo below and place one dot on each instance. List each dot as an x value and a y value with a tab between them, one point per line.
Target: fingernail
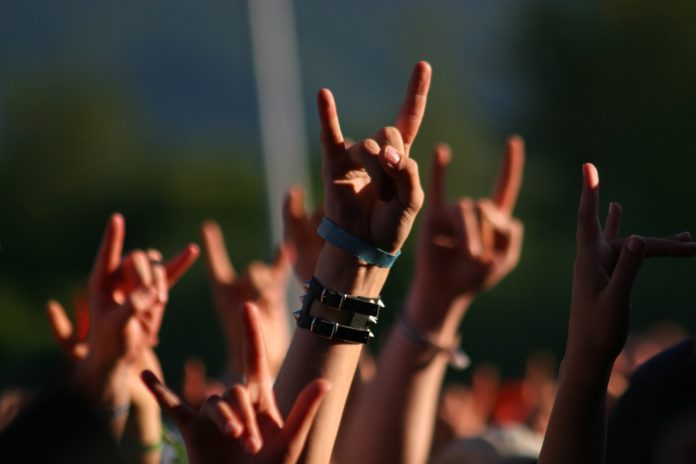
683	236
252	445
391	156
635	245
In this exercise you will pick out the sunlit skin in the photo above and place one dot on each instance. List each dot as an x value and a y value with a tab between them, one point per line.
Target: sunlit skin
605	269
371	189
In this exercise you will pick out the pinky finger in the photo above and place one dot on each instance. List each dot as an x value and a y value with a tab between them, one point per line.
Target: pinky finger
179	264
220	414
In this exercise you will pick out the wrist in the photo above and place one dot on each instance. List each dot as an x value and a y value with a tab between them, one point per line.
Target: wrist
584	369
105	383
342	272
436	316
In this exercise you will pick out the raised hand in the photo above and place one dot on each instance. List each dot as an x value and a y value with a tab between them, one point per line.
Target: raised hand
372	188
120	290
245	424
470	245
465	247
264	284
605	269
300	233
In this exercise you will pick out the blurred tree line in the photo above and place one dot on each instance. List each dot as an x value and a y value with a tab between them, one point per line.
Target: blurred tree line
609	82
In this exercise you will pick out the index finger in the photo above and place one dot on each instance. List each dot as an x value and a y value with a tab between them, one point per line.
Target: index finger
413	108
109	254
168	400
331	136
588	229
510	176
441	158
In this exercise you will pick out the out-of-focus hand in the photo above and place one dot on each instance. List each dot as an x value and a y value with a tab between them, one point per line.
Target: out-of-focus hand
464	248
245	424
121	290
128	295
605	268
264	284
300	233
469	246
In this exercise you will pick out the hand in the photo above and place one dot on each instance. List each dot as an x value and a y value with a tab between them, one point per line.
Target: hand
114	281
464	248
605	269
264	284
469	246
372	188
300	233
244	425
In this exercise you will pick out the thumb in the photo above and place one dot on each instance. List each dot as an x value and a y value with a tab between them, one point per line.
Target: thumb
626	270
404	172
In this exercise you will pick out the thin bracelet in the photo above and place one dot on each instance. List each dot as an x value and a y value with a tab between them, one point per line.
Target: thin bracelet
458	359
338	236
117	411
151	447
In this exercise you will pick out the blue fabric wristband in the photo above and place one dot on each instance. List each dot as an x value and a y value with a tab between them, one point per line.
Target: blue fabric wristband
336	235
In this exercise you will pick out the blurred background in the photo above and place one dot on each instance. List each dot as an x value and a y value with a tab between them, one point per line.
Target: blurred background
151	109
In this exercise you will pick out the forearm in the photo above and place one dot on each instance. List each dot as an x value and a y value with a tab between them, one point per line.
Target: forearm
394	416
577	427
311	356
105	385
143	437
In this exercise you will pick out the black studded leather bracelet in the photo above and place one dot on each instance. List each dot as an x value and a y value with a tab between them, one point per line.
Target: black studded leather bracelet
330	329
343	301
364	313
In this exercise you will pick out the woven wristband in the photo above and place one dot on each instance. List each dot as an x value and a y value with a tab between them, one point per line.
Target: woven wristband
337	236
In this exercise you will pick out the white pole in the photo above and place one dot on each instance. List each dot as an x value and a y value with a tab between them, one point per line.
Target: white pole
276	65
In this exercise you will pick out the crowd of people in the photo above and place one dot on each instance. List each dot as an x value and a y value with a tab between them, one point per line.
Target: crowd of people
314	395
